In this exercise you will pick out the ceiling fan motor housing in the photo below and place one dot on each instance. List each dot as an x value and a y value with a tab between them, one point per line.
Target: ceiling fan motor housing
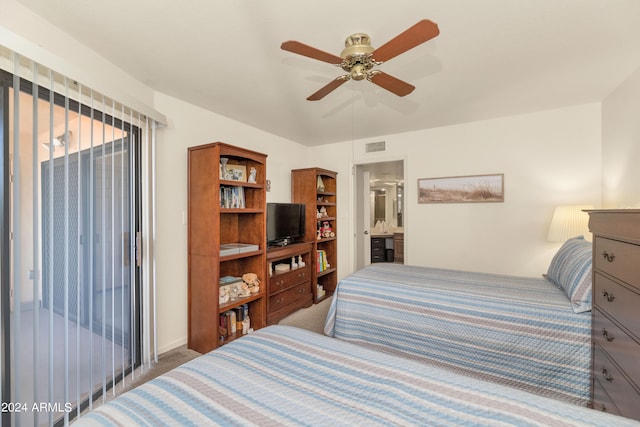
357	56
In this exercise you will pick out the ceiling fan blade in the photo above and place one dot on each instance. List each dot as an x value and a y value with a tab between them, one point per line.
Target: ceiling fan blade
310	52
391	83
327	89
419	33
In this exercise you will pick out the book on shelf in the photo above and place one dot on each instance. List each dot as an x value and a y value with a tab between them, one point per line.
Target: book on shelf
232	197
321	262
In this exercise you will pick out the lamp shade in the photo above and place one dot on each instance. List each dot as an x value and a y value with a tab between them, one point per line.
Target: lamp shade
568	222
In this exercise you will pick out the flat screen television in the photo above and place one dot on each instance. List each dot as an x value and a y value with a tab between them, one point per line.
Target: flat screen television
285	223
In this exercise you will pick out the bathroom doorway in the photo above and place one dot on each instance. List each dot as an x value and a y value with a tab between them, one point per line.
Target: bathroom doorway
379	212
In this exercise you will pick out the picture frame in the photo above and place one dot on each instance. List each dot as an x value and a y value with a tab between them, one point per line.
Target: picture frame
236	173
462	189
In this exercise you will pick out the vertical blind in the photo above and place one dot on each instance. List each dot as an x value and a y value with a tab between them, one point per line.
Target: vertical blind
81	309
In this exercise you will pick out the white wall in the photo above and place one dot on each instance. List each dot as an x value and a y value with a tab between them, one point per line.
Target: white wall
189	126
27	33
547	158
621	145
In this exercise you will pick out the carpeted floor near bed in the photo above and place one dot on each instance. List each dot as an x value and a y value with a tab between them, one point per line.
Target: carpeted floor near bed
311	318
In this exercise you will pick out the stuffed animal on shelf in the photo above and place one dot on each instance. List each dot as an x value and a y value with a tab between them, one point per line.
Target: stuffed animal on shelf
243	290
252	281
326	230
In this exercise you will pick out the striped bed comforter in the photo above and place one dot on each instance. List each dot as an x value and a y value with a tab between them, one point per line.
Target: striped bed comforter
281	376
517	331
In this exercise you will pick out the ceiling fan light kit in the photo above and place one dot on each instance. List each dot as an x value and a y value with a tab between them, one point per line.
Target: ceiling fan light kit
358	58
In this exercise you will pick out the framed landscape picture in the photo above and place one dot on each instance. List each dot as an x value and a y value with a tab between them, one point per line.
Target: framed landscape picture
462	189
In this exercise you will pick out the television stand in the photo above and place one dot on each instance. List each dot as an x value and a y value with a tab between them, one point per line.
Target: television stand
288	290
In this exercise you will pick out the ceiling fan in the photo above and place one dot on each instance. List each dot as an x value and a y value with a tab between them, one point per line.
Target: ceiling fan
358	58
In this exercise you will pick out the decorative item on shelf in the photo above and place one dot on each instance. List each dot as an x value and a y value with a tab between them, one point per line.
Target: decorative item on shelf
319	234
270	268
301	263
318	214
223	296
243	290
252	175
319	184
223	167
325	230
282	267
233	293
323	212
230	288
252	281
236	173
294	264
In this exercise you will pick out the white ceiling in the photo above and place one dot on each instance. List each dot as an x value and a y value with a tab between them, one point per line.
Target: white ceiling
492	57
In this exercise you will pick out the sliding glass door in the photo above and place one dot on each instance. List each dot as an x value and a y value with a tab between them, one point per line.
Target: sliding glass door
70	291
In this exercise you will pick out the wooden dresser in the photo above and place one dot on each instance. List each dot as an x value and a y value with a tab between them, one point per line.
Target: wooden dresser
288	290
616	311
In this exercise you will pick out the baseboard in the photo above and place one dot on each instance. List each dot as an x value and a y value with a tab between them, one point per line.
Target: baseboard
171	346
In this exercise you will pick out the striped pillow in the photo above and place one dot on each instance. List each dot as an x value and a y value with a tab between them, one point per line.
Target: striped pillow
570	269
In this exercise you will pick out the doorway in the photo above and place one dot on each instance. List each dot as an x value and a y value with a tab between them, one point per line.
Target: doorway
379	212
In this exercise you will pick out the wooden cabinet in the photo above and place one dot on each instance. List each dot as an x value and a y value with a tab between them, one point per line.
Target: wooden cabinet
224	210
616	318
316	188
398	248
289	288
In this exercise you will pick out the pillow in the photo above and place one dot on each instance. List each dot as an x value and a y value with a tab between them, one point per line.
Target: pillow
570	269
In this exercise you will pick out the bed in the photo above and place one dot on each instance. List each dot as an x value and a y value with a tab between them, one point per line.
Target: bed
281	376
525	332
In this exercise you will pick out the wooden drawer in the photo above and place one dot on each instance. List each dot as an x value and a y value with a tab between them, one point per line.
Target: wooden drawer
289	296
602	401
618	345
615	384
618	259
281	281
618	302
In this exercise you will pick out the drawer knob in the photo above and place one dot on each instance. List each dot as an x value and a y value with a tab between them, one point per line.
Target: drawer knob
608	296
607	256
607	376
606	335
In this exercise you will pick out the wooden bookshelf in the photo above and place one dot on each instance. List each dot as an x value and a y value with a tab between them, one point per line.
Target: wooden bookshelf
306	188
210	225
